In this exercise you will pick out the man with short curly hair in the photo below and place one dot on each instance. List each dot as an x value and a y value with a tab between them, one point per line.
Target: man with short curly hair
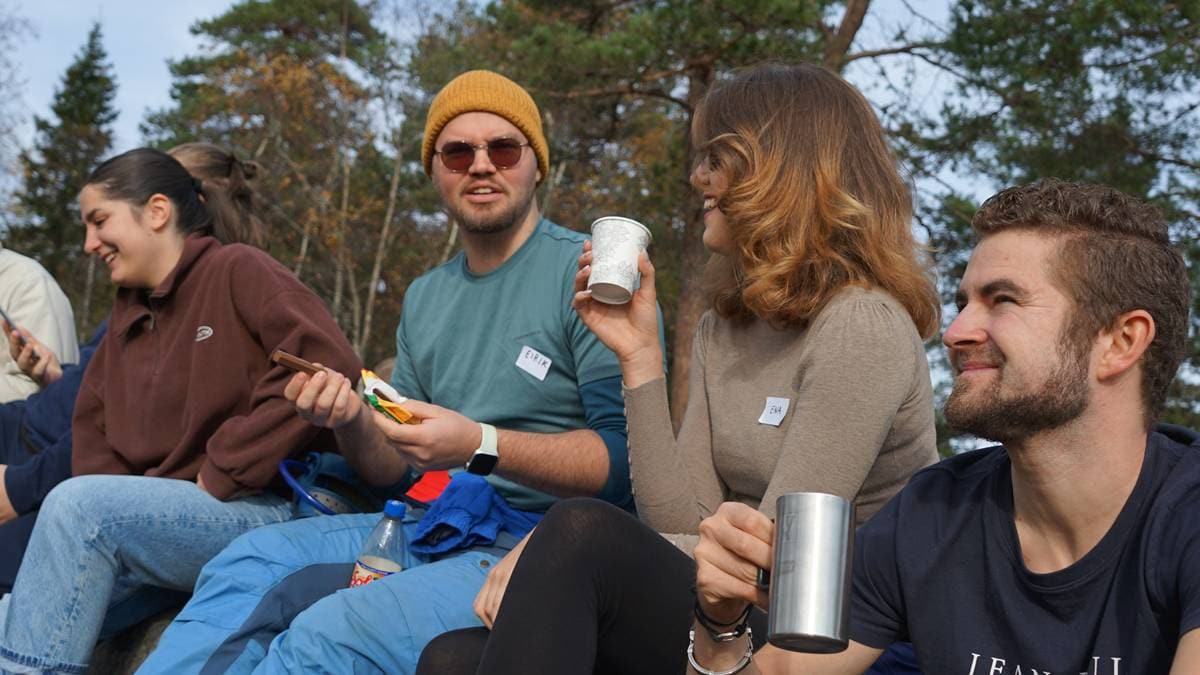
1071	548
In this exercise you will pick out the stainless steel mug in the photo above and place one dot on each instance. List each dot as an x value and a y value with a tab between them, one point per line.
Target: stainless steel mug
810	580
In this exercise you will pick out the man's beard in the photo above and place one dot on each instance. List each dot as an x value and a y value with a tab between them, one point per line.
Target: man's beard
492	223
1061	398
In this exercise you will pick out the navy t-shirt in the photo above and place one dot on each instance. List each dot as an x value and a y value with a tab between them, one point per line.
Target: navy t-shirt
941	566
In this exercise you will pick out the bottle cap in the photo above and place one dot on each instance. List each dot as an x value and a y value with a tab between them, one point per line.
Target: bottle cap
394	509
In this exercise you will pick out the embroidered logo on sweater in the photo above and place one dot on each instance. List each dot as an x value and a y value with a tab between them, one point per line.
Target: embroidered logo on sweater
203	333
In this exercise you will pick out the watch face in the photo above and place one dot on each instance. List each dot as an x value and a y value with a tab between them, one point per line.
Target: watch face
482	464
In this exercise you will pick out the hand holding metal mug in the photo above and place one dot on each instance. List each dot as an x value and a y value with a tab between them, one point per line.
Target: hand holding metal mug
734	543
810	575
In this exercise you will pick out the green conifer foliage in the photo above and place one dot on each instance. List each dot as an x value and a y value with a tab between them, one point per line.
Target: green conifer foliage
66	148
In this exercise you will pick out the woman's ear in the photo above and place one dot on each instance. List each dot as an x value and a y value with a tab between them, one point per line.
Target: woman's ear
158	212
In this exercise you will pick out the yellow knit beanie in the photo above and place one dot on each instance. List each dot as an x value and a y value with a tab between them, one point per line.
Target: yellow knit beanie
485	91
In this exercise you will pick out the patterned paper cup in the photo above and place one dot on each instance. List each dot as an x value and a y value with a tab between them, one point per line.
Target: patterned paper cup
616	244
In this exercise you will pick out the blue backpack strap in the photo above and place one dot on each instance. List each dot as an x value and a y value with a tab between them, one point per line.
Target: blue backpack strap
310	499
325	484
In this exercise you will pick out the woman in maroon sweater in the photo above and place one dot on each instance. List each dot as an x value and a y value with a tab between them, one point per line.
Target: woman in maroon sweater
181	420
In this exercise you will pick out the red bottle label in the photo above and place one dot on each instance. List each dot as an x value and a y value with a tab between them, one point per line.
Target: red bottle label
364	574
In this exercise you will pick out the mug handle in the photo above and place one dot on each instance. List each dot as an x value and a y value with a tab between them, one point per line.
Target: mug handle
763	580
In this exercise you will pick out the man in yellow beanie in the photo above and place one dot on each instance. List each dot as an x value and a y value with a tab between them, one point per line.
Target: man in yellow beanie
508	383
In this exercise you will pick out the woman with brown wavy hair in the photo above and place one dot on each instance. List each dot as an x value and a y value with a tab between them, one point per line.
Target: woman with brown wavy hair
808	374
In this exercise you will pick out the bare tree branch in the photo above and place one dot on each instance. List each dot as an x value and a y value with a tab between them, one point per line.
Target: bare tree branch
381	249
319	195
341	260
936	25
1150	154
888	51
704	62
836	49
451	237
1006	97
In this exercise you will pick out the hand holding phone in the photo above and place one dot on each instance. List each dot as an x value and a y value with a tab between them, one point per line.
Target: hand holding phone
10	327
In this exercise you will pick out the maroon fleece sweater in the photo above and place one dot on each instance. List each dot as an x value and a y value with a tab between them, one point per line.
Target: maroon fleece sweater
182	386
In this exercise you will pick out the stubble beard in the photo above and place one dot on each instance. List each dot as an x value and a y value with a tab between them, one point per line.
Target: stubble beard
492	223
988	413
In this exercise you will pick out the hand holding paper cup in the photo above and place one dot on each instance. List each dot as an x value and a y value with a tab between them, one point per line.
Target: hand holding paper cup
616	244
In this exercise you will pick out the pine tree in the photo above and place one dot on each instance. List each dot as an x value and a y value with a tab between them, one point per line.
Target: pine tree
13	28
296	86
66	148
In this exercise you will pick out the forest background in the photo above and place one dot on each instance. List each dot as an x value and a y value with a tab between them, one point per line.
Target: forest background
329	98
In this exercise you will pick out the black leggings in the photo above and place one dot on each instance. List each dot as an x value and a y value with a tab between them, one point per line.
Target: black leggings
596	591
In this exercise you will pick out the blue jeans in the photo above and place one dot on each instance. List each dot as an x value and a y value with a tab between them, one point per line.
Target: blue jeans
100	541
379	627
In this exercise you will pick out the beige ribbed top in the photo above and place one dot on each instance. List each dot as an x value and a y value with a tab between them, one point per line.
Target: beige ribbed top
859	420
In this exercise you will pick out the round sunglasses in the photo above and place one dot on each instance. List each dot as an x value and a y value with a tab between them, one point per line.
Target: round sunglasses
503	153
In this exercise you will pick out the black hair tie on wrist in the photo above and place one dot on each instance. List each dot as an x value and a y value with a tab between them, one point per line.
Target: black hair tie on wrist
723	632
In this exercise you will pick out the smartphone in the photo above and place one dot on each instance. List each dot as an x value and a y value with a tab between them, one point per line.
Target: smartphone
293	362
12	325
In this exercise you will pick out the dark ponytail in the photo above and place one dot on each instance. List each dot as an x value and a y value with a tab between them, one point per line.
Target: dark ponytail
228	193
138	175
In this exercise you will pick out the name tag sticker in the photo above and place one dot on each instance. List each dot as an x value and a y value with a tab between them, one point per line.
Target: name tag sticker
774	411
533	362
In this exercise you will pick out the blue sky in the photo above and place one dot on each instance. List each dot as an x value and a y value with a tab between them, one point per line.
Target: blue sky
140	37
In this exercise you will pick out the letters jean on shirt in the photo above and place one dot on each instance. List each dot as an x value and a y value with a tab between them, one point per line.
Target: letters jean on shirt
995	665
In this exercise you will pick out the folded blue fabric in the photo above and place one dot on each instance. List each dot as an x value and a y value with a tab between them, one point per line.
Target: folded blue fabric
468	513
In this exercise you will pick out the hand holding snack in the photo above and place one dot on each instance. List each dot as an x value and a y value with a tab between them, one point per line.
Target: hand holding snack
384	398
443	439
326	398
428	436
323	397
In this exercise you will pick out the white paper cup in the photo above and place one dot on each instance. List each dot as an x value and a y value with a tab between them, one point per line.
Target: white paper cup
616	244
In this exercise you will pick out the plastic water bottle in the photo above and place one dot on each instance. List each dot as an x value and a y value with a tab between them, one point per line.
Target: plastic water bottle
384	549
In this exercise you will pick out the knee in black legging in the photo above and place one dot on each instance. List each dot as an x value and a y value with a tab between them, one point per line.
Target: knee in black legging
454	653
584	529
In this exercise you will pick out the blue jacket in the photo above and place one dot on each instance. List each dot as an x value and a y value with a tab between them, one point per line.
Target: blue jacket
468	513
46	425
